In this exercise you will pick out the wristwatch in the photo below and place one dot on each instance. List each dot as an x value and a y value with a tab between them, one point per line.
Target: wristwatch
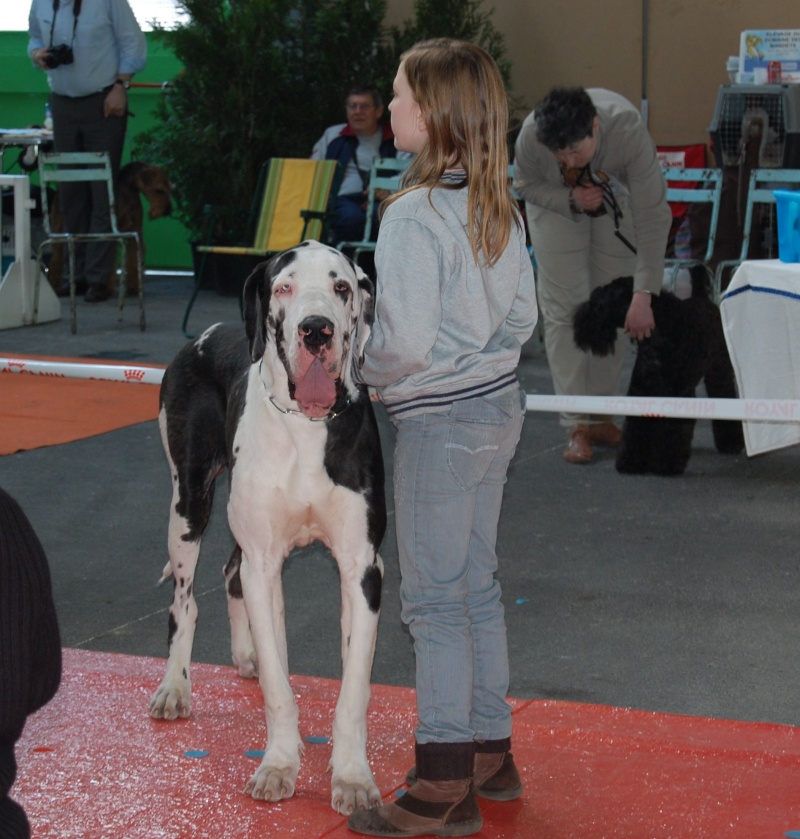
124	82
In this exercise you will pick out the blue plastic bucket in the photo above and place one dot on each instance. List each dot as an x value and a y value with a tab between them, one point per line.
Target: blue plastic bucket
788	225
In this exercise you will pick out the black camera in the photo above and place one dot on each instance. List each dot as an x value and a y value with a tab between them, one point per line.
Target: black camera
56	56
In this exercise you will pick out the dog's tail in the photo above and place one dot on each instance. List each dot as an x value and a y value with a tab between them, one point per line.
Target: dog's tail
165	574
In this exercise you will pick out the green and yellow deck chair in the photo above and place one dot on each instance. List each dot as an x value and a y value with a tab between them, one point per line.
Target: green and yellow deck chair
293	207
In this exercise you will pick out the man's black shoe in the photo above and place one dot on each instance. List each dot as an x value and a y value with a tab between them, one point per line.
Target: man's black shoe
63	289
96	294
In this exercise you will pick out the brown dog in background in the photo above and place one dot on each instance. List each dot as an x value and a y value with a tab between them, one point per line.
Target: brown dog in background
135	179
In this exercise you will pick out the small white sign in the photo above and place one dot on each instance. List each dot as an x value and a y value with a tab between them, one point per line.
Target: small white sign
758	47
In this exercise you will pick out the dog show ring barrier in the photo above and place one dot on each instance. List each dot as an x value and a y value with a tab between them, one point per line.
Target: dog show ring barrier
78	370
661	407
748	410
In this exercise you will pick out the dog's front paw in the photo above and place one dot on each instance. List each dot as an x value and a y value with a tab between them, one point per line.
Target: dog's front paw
170	702
272	783
348	794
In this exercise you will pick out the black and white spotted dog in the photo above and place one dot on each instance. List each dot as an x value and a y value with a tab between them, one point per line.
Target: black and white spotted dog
280	408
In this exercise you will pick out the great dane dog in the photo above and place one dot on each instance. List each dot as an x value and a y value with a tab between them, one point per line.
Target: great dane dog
281	409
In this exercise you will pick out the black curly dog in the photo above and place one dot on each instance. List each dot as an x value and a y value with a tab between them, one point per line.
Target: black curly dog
686	346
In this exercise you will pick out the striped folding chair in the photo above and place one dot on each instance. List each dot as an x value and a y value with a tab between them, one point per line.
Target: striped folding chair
292	208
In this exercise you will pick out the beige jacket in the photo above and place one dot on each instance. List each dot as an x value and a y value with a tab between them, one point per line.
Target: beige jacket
626	151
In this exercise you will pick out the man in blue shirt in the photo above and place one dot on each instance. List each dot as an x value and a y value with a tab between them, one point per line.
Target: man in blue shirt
90	51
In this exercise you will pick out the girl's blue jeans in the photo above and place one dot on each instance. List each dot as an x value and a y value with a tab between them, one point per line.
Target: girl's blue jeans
449	475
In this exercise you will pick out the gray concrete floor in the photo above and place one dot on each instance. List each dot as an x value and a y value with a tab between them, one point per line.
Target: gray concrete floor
673	595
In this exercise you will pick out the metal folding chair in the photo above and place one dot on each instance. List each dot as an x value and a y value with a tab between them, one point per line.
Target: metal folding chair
760	189
386	174
695	186
83	167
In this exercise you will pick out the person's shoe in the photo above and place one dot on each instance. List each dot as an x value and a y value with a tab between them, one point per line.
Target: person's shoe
579	446
442	802
429	808
96	294
494	774
63	289
605	433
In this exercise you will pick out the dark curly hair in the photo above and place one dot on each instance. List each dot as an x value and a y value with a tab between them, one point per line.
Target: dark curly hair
565	116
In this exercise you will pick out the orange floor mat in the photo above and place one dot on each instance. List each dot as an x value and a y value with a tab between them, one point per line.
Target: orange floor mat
93	764
46	410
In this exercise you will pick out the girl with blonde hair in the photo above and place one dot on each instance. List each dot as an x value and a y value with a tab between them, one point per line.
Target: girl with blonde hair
455	302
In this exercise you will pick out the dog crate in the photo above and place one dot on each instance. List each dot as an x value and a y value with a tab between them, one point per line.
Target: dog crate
767	115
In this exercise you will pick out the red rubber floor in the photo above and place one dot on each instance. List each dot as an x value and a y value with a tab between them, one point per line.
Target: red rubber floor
93	764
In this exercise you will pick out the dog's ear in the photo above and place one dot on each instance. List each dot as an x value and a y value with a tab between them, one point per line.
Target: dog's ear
256	294
594	326
365	302
581	327
366	291
595	322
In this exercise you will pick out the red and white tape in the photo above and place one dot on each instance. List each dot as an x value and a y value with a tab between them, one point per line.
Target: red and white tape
79	370
751	410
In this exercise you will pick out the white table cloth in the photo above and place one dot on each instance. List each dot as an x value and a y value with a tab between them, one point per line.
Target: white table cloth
761	319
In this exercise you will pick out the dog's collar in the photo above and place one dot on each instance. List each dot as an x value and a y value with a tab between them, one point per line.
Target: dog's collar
330	415
284	410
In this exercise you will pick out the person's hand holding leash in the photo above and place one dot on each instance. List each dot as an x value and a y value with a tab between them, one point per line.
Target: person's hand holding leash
588	199
639	322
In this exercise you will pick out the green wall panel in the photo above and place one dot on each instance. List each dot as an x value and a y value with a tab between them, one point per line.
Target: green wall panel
23	93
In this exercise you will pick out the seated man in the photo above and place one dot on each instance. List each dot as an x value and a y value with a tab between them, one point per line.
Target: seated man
355	144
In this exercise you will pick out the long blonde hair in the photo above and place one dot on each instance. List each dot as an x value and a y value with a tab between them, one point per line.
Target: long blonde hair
464	104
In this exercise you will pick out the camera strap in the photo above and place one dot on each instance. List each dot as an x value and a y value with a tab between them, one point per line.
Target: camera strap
76	10
584	176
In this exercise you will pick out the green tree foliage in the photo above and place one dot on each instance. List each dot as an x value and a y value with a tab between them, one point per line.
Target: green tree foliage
264	78
466	20
261	79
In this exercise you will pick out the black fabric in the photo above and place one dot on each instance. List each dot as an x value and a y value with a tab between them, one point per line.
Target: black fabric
30	645
493	747
343	149
445	761
13	821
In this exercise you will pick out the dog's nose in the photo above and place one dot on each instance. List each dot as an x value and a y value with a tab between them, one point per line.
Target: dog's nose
316	332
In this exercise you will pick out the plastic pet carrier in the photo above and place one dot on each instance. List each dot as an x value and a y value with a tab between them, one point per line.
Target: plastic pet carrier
766	115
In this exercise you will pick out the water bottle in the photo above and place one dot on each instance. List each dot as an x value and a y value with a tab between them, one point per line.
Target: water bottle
48	118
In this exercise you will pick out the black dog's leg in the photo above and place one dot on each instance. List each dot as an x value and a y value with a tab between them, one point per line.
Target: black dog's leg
671	446
720	383
728	436
655	444
633	455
